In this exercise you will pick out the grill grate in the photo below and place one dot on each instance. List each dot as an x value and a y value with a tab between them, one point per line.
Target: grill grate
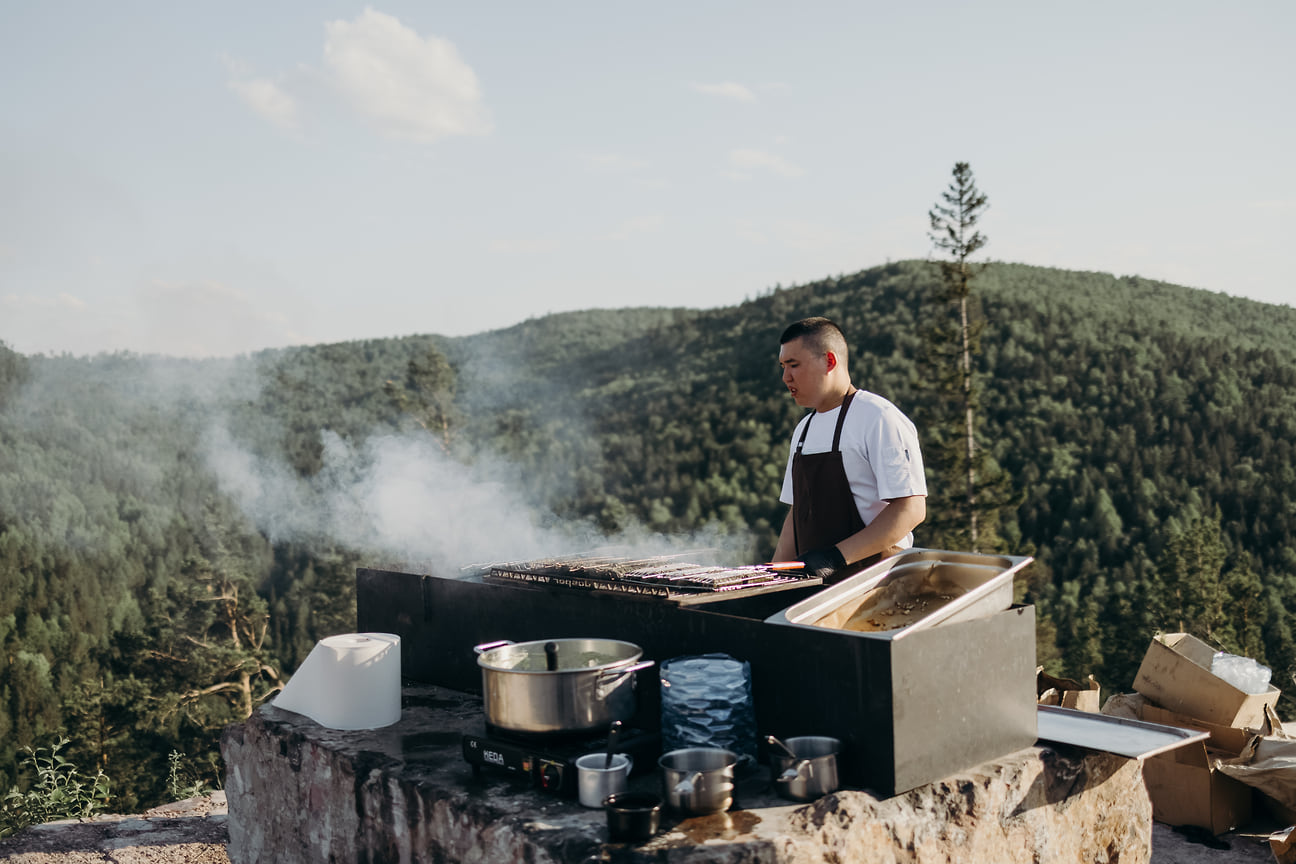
661	577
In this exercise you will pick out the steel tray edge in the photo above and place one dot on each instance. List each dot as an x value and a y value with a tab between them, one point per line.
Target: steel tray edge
820	604
1085	729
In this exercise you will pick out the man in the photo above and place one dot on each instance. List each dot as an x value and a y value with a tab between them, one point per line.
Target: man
854	476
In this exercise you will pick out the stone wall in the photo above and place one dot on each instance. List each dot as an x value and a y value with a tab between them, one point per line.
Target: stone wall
300	793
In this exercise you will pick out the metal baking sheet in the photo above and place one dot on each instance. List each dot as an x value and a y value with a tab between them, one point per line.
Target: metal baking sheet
911	591
1136	739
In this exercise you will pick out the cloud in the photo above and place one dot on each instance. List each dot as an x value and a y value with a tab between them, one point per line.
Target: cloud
17	303
523	245
647	224
200	318
809	236
613	163
267	99
1275	204
744	161
726	90
405	85
409	86
206	318
798	234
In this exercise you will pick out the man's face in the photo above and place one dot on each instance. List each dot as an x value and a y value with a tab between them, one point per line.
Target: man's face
805	372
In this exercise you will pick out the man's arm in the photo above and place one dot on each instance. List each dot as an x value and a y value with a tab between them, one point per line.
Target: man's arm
898	518
785	550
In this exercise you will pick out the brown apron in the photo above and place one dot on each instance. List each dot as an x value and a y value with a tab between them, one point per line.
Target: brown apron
823	508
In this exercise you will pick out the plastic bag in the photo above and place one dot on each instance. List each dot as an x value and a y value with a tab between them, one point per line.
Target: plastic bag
1242	672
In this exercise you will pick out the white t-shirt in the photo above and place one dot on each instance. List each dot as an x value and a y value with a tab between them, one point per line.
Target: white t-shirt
880	453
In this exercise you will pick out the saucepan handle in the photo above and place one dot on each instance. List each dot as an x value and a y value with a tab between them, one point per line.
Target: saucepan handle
486	646
796	772
610	679
618	671
684	789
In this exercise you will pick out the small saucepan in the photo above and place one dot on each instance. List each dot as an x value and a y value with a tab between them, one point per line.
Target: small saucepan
804	768
632	817
699	780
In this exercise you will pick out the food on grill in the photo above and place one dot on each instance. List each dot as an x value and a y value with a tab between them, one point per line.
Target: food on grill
658	576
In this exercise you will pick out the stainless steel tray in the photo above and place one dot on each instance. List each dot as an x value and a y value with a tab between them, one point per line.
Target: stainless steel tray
911	591
1136	739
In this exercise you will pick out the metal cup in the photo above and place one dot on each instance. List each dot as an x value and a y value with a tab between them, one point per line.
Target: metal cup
594	782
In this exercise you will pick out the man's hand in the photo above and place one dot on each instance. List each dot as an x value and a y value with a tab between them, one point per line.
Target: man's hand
824	562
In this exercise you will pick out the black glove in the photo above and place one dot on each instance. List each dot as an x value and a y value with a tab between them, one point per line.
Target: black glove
823	562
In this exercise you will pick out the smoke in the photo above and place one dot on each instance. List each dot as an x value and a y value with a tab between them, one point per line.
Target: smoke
402	501
397	498
393	499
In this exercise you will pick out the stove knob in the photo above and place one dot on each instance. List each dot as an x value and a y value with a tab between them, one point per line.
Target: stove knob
550	777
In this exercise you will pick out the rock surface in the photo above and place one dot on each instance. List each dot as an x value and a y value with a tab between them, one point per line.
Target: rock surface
193	831
405	793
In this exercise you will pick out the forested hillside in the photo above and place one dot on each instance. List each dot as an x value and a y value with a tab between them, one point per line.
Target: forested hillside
176	535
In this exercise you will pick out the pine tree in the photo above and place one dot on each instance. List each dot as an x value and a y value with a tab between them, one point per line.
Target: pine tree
427	395
1190	567
950	346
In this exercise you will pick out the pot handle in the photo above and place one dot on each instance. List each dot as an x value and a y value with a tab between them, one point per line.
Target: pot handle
684	789
794	772
486	646
608	679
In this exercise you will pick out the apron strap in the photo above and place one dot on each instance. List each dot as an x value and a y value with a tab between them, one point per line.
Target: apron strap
841	420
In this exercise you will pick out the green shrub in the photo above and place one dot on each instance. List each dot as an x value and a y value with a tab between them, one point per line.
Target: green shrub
61	791
182	781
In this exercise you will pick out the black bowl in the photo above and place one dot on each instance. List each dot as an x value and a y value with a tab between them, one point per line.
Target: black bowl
633	817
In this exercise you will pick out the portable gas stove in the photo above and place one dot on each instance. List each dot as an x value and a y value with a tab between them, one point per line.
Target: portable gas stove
549	763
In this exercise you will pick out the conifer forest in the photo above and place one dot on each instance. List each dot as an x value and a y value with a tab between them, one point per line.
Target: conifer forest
176	535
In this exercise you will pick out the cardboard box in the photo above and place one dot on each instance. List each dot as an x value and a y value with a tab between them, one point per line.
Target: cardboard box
1175	674
1067	692
1183	784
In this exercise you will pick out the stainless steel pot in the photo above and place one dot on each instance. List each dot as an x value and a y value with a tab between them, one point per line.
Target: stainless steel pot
633	817
699	780
559	685
813	771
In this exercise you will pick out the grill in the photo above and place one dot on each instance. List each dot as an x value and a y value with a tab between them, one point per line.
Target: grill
663	577
910	705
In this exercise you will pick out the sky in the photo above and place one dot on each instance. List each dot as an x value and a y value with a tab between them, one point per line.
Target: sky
211	179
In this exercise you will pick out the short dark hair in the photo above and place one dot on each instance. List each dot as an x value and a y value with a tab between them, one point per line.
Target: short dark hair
821	334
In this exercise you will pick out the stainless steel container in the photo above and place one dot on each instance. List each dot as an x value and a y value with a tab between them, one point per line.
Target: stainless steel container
577	685
813	771
632	817
699	780
911	591
597	777
919	664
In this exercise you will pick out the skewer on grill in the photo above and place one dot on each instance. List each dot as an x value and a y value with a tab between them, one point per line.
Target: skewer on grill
662	573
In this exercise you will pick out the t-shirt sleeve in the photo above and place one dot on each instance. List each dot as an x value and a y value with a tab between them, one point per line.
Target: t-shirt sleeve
896	458
785	495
